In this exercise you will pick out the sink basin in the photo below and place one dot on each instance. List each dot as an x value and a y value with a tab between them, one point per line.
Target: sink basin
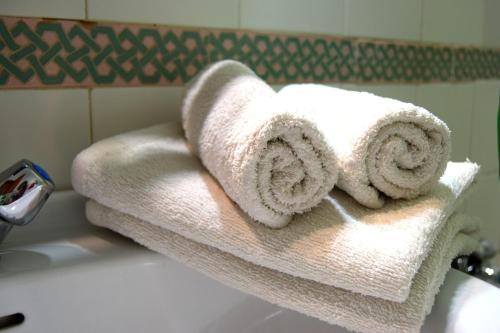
61	274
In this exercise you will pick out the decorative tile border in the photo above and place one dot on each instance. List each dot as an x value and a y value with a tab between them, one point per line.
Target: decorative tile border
65	53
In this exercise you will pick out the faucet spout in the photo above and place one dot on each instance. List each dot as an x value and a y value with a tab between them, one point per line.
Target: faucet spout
24	188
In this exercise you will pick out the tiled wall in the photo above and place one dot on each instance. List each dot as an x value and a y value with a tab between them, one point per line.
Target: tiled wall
51	126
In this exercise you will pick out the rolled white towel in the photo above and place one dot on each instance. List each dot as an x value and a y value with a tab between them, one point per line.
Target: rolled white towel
271	162
384	147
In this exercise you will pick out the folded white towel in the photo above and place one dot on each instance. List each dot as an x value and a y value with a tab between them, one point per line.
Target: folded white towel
384	146
150	174
271	162
334	305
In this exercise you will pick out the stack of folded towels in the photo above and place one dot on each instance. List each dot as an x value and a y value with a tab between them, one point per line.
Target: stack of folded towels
334	203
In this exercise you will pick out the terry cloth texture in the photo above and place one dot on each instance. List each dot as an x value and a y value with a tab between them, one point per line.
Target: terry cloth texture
151	175
271	162
384	147
334	305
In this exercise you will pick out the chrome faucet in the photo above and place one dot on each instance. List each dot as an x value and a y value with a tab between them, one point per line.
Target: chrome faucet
481	263
24	188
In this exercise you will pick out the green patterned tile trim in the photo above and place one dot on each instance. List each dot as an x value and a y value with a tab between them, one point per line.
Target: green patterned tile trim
390	62
65	53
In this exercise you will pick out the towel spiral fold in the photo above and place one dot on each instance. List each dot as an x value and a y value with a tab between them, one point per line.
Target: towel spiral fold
271	162
405	159
384	147
291	175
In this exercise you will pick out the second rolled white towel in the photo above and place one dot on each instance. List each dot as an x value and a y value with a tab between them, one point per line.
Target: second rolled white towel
384	147
271	162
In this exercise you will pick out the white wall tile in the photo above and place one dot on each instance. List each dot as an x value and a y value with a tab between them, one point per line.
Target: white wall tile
214	13
46	8
484	202
484	125
383	18
453	104
117	110
48	127
320	16
453	21
405	93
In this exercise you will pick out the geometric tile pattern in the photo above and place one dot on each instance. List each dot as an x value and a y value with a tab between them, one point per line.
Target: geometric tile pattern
53	53
473	63
404	62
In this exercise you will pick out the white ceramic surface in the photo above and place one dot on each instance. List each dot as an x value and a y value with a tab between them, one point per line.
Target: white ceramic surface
65	275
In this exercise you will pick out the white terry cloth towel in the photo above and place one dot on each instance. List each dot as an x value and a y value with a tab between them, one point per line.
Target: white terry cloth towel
384	147
337	306
271	162
150	174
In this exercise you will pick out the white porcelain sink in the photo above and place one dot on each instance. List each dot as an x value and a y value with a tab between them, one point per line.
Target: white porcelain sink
65	275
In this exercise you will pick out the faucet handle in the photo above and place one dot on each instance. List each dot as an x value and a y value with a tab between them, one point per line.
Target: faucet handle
24	188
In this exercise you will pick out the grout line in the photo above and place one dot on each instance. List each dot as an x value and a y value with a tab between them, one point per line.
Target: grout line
239	13
91	122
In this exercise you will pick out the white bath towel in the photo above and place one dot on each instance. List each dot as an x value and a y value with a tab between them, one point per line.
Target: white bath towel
384	147
334	305
271	162
150	174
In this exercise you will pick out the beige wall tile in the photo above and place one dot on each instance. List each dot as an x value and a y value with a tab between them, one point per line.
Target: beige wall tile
453	21
483	202
453	104
46	8
491	23
116	110
214	13
383	18
484	147
48	127
318	16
